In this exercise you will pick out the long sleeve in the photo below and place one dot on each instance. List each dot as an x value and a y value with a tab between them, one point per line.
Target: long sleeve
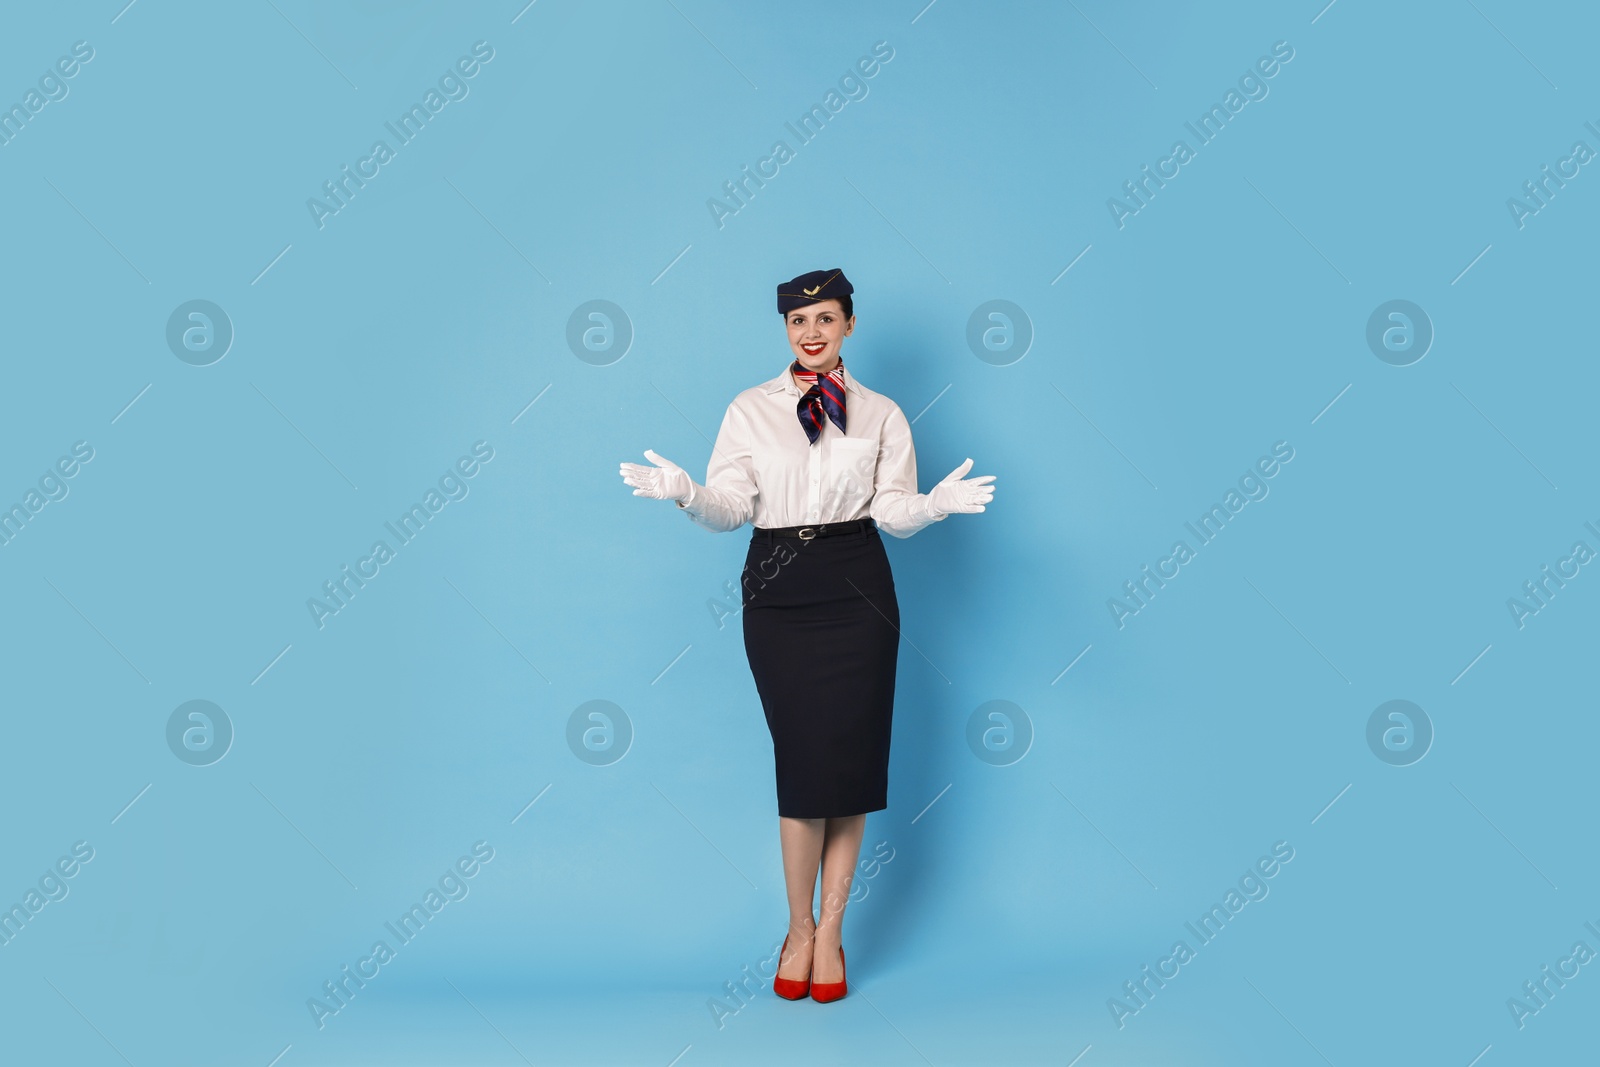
896	505
728	498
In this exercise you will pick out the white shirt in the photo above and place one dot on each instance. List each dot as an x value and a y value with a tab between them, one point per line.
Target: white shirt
765	471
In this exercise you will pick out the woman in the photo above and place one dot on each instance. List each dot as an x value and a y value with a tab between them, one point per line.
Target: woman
821	622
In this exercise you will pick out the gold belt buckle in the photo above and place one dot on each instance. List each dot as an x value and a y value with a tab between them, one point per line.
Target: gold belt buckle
806	533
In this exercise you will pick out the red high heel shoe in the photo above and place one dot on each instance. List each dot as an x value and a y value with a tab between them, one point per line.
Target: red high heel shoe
789	988
822	992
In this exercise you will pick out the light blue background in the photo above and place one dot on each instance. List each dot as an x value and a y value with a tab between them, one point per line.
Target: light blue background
371	353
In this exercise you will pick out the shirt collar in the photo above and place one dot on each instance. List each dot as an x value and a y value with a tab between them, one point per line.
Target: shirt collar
785	382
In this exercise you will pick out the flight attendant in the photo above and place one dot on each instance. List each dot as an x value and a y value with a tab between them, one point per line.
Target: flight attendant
818	464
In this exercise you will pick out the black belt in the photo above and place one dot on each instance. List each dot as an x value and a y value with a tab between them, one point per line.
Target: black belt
806	533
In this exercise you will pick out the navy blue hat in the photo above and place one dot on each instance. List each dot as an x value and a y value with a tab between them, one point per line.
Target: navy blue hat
812	287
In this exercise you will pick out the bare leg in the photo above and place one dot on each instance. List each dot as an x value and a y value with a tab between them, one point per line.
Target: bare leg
802	841
841	848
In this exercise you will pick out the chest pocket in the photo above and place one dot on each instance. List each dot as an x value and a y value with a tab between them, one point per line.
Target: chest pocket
852	473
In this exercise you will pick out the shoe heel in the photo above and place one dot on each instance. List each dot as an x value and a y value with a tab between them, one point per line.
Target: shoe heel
790	988
823	992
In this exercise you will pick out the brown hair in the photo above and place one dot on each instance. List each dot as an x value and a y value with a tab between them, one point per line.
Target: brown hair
845	304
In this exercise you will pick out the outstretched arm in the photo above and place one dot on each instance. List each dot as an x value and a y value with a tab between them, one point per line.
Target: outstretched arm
897	506
726	501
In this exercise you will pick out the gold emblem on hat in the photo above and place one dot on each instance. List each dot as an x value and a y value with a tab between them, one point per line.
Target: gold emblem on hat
812	292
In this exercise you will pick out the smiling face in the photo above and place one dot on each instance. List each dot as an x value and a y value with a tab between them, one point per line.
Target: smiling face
815	333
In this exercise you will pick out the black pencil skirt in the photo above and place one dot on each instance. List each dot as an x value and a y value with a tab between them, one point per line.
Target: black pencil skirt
822	634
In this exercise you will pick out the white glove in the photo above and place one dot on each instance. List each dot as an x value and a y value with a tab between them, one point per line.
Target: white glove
957	496
665	481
